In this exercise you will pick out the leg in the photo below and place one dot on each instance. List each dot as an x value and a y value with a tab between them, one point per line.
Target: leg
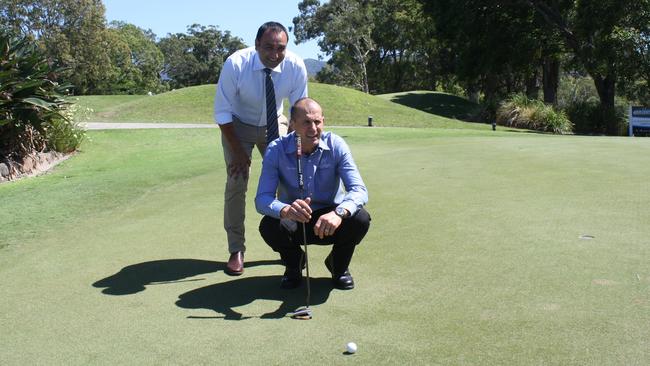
281	238
235	191
346	238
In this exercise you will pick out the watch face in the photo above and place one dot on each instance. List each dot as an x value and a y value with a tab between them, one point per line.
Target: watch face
340	211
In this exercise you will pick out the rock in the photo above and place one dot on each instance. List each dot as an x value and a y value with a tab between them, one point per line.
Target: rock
28	164
4	171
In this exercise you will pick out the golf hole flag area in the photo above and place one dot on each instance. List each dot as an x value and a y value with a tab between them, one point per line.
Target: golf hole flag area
485	248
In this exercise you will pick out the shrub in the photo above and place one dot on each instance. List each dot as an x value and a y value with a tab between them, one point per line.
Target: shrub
65	134
521	112
30	97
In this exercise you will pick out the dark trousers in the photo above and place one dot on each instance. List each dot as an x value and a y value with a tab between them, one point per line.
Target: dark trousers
287	242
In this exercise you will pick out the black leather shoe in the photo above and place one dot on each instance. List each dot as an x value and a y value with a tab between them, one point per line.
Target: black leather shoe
342	281
291	279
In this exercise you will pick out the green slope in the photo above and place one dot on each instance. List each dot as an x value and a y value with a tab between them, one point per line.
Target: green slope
342	106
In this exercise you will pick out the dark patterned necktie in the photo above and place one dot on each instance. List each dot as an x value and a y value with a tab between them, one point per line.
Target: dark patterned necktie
271	111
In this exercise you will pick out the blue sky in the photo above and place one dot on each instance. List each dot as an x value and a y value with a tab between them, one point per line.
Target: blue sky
240	17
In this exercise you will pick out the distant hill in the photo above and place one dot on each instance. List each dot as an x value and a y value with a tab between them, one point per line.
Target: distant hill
314	66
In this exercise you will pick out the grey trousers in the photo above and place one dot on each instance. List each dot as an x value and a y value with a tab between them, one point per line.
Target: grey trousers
234	208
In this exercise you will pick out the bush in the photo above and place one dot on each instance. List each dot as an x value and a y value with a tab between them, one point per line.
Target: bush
30	98
65	134
588	118
521	112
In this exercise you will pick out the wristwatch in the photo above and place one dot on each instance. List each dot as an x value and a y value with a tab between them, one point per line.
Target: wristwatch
341	212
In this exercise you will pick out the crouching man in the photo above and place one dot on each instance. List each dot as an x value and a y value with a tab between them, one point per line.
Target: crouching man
330	205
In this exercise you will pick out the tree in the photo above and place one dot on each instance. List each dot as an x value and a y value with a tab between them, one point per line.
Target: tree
609	38
406	52
345	28
140	72
197	57
73	34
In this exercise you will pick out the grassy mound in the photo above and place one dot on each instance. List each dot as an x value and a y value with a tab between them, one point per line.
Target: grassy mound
342	106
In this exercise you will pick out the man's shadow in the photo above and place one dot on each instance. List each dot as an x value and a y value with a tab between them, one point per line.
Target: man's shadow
223	297
133	279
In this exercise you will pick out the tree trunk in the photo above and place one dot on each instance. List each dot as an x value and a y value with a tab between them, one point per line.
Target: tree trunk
532	86
606	87
551	77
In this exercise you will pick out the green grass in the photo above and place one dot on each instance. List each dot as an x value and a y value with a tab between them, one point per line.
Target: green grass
342	106
473	256
438	103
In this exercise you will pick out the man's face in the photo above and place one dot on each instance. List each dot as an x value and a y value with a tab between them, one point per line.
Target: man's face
271	47
308	124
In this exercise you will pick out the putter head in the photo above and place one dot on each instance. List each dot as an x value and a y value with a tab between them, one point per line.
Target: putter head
301	314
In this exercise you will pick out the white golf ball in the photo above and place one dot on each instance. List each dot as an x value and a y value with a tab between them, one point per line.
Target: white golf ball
351	347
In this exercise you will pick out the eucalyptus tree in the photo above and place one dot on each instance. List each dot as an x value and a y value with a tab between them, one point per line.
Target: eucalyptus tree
73	35
196	57
344	29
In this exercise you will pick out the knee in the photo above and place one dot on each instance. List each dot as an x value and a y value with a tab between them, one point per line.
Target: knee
356	228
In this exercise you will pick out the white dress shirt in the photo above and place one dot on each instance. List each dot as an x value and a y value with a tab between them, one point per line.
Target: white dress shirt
241	90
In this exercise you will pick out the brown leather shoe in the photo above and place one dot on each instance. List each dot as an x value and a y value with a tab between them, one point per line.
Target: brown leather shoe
235	265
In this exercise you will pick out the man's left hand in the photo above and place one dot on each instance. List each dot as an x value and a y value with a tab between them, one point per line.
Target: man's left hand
327	224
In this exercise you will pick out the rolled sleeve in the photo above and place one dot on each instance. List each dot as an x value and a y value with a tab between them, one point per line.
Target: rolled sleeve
226	93
266	202
357	194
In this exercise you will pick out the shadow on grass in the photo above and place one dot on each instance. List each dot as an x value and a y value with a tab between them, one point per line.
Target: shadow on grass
223	297
441	104
132	279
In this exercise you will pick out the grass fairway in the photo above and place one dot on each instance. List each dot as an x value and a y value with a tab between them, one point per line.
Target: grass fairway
343	106
473	257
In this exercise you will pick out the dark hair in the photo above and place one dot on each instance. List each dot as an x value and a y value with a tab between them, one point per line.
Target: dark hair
271	25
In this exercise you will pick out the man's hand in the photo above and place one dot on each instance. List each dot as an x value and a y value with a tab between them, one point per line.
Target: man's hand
240	160
298	211
239	166
327	224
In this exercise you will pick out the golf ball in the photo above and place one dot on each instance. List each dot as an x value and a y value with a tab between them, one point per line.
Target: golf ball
351	347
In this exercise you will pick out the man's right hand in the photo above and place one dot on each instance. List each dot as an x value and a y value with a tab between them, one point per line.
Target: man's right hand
240	161
298	211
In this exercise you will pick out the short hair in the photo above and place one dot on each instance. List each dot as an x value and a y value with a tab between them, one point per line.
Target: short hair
294	109
271	25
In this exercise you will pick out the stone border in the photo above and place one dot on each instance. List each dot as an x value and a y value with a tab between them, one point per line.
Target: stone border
31	165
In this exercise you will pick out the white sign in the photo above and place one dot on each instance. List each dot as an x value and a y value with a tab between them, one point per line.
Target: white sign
639	118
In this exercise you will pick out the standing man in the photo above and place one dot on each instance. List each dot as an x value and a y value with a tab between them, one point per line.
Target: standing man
331	206
247	107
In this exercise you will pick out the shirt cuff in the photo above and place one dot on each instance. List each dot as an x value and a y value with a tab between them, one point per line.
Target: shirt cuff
223	118
350	206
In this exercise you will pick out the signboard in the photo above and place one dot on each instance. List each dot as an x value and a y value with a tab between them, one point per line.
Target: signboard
639	120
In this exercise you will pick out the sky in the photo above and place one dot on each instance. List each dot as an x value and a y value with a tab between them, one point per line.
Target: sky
240	17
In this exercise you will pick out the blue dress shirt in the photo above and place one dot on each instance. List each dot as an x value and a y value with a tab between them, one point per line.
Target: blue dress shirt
330	176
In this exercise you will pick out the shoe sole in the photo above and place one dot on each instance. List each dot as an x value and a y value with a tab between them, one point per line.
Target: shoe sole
233	273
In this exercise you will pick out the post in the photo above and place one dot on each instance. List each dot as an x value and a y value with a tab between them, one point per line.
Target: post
369	121
629	124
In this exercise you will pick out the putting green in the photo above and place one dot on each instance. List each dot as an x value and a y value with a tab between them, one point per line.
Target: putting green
474	256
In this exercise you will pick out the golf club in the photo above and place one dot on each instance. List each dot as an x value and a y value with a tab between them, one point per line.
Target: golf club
302	313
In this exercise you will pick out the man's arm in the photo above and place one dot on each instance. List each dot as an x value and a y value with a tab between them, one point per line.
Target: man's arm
223	115
357	194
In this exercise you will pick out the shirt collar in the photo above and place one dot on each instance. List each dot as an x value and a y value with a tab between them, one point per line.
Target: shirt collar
258	65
